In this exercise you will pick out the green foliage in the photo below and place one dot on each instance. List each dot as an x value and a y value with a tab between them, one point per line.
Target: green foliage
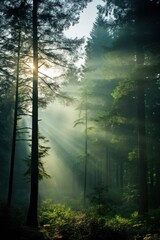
133	155
124	88
54	218
119	223
129	201
100	212
98	196
42	153
59	221
51	212
78	121
105	201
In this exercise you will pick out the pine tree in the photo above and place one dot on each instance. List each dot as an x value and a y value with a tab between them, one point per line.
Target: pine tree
131	19
57	15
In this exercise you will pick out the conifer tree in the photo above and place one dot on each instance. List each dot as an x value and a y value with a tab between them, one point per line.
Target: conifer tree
130	21
58	16
47	17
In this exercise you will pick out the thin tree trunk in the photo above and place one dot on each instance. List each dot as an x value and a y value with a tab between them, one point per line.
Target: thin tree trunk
142	153
10	186
32	219
86	152
157	182
143	188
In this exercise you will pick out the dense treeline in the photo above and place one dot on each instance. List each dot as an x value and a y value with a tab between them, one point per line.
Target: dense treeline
32	41
118	104
121	95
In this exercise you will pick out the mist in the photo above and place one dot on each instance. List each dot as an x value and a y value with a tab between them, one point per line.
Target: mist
66	143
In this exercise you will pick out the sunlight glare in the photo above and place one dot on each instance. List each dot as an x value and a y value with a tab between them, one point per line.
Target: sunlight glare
31	66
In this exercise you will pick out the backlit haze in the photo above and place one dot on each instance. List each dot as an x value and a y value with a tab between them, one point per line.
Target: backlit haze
66	142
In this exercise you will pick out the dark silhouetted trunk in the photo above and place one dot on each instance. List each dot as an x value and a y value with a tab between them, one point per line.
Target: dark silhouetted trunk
10	186
142	155
143	188
32	212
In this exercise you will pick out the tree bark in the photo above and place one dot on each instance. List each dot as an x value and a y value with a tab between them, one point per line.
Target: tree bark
143	187
10	186
32	219
141	122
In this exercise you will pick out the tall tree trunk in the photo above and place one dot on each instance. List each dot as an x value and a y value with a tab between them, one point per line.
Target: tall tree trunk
32	219
157	180
10	186
143	188
142	155
86	151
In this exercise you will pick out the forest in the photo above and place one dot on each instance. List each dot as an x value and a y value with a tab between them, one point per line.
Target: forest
79	121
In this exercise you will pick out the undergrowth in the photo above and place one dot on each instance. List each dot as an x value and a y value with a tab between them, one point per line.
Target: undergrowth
95	222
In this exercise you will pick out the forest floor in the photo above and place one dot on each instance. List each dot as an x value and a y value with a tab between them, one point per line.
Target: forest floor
26	233
60	222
